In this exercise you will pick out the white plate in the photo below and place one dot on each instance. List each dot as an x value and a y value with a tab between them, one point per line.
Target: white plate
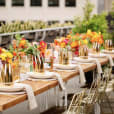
100	55
108	52
45	75
65	67
78	59
13	88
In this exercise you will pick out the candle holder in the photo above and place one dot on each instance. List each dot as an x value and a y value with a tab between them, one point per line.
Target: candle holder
63	56
108	45
6	77
83	52
16	69
40	64
96	47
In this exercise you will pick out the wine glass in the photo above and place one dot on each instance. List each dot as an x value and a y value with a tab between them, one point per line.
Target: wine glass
49	55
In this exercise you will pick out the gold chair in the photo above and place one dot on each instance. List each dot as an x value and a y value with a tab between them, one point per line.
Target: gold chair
103	97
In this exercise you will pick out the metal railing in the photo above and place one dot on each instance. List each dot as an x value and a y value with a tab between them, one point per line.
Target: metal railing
60	29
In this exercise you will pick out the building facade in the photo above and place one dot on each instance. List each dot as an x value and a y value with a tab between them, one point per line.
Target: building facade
45	10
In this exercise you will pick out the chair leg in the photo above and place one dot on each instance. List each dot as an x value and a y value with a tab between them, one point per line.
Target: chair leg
101	109
109	102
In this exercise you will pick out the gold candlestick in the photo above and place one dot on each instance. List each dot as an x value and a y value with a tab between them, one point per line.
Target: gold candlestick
108	45
96	47
83	52
6	75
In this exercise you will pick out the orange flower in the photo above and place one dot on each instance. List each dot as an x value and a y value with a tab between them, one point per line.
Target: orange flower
0	50
63	44
14	53
77	34
22	43
74	44
69	36
56	42
14	44
100	41
84	37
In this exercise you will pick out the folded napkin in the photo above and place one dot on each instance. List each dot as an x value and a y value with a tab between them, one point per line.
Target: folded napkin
54	75
62	86
30	94
99	68
82	75
103	55
110	59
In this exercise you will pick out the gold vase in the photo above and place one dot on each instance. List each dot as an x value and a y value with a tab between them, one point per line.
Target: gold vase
96	47
40	64
16	69
83	52
108	45
6	74
65	59
64	56
60	56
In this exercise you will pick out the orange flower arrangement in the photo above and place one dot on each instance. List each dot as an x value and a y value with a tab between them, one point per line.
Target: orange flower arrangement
22	43
19	46
95	37
42	47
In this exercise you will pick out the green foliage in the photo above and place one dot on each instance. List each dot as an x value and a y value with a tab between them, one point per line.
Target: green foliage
88	10
28	25
32	50
97	23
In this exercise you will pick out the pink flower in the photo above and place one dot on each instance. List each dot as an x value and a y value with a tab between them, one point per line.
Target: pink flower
66	41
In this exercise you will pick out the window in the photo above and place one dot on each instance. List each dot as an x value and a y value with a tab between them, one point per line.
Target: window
17	2
2	2
36	3
53	3
70	3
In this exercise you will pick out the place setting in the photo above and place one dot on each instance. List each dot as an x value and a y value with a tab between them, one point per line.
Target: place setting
10	83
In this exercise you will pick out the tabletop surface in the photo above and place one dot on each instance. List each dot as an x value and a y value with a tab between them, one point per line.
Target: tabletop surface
7	101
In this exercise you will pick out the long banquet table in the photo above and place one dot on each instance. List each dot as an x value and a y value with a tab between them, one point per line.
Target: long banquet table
11	101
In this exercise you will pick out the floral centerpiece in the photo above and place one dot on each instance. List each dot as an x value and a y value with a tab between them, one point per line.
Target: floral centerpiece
18	46
6	76
37	51
5	56
74	41
71	41
95	37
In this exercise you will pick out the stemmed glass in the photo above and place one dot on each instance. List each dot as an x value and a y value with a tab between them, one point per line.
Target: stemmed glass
49	55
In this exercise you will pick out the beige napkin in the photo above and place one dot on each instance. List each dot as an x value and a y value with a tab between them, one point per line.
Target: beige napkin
57	76
99	68
110	59
30	94
82	75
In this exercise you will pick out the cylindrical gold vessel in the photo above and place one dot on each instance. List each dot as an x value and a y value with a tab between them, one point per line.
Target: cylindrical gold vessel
96	47
108	45
63	56
83	52
40	64
6	77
